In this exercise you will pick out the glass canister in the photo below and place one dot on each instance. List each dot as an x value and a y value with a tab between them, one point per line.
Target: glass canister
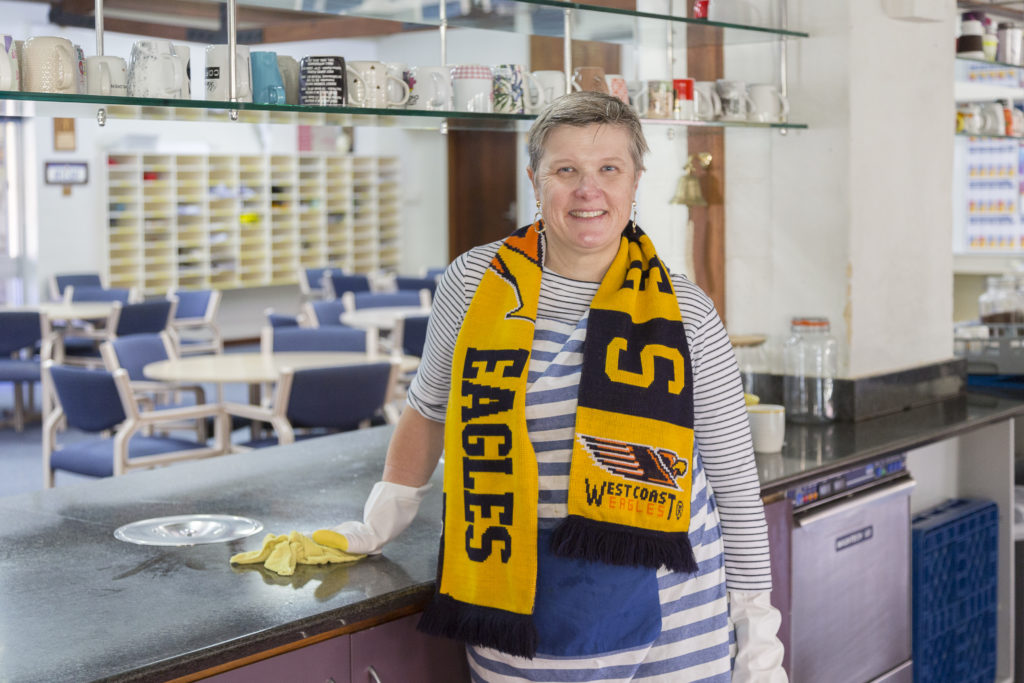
811	362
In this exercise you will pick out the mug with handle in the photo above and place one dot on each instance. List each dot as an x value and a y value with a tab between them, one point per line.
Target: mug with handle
736	103
10	65
289	68
323	81
400	73
154	70
617	86
217	86
512	89
768	105
267	84
473	87
106	75
430	88
655	99
550	84
368	85
707	103
49	65
589	78
183	53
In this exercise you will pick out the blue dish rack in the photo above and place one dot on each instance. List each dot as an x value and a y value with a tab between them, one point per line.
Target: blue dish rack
955	592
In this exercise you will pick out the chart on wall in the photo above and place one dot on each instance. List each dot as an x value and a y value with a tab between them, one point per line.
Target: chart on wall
990	171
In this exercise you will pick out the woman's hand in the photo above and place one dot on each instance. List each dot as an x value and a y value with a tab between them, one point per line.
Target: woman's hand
758	651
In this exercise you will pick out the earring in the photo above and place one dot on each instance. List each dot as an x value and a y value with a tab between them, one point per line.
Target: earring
537	219
633	217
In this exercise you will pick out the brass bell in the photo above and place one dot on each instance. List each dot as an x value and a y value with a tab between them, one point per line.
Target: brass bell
688	190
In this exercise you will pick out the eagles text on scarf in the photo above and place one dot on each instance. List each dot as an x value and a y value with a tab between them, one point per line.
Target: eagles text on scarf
629	477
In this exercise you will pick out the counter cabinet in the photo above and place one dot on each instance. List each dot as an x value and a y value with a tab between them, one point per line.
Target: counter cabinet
394	651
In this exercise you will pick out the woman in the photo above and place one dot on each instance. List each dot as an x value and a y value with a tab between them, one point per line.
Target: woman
602	510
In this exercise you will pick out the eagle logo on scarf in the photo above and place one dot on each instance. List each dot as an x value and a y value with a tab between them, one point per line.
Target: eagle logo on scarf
658	466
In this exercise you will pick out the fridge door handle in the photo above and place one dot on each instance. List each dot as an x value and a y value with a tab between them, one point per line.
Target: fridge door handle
856	500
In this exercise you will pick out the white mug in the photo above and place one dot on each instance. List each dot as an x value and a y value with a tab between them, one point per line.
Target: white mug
472	87
106	76
551	85
706	100
49	65
80	56
736	104
430	88
370	85
182	52
767	427
154	70
10	65
289	68
398	73
767	103
217	86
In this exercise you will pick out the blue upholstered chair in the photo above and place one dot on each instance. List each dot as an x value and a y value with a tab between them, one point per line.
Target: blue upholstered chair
410	334
134	352
323	400
92	293
20	332
194	327
281	319
60	281
434	273
406	297
337	338
147	317
98	402
311	281
324	313
336	284
416	283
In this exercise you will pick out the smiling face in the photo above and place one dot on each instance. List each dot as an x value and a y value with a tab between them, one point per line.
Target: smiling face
585	181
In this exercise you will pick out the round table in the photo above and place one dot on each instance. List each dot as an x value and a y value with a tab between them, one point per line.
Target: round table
254	367
382	318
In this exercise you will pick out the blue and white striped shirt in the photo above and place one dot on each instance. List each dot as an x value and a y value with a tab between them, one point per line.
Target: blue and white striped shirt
727	528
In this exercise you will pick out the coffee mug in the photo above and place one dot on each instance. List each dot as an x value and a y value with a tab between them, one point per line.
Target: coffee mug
217	85
736	104
767	427
512	89
683	109
472	86
368	85
968	118
655	99
589	78
267	84
49	65
106	76
184	55
399	74
154	70
430	88
289	68
322	81
80	69
10	65
617	86
550	84
708	104
767	104
19	47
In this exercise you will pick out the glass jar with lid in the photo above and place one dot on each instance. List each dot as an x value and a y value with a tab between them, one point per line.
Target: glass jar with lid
811	360
1001	302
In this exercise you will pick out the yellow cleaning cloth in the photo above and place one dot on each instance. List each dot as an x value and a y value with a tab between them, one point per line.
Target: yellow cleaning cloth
281	553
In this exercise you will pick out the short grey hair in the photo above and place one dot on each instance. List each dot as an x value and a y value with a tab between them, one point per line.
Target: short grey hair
582	109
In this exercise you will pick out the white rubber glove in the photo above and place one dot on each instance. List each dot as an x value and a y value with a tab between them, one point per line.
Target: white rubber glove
389	509
758	651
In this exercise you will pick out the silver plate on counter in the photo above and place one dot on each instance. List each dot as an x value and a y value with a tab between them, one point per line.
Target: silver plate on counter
188	530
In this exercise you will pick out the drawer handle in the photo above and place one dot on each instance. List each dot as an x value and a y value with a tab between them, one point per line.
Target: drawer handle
373	674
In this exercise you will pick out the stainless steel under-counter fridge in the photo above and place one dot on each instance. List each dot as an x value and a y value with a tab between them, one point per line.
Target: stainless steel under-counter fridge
841	553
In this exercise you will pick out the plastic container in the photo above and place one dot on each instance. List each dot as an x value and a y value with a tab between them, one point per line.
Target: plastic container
811	358
1000	303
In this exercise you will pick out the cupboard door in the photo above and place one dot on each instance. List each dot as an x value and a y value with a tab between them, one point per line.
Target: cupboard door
399	653
325	661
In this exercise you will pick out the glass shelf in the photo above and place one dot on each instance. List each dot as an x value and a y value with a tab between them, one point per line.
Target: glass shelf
540	18
980	136
985	62
51	105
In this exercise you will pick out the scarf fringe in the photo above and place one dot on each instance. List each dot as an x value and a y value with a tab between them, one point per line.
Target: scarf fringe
508	632
595	541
